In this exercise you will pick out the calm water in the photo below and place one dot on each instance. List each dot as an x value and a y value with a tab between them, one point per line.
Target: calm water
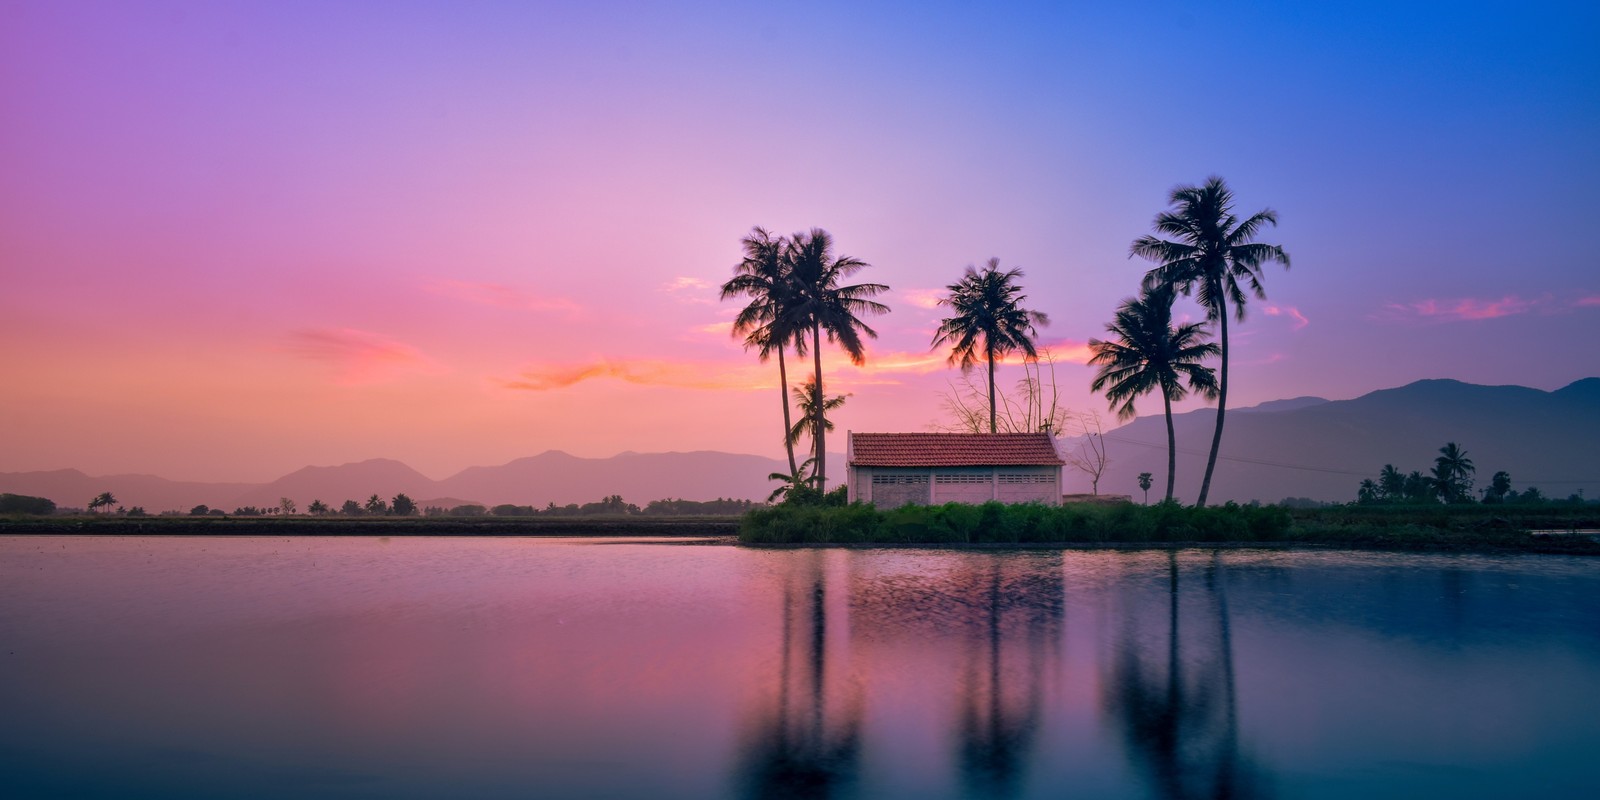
200	667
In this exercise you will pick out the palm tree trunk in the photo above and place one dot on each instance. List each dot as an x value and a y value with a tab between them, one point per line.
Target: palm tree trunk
1222	407
816	430
1172	446
783	388
989	351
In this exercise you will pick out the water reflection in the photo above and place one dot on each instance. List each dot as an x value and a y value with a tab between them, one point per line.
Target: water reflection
795	745
1174	699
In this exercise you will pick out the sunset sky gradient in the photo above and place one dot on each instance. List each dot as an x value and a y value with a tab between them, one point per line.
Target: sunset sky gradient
239	238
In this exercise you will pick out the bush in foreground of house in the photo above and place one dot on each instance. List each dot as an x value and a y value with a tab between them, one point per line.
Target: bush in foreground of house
998	523
1433	528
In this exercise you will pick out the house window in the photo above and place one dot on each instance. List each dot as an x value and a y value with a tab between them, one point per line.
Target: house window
961	478
898	480
1026	477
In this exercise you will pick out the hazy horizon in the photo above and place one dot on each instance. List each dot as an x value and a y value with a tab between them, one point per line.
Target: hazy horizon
242	239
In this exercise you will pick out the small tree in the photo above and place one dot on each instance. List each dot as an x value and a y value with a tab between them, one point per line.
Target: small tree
286	506
404	506
376	506
318	508
351	508
1089	455
1144	484
1499	486
200	510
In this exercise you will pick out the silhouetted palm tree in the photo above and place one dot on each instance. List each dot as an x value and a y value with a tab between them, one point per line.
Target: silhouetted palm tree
805	399
819	303
1452	473
1391	483
763	276
1211	254
791	483
989	321
1144	484
1148	354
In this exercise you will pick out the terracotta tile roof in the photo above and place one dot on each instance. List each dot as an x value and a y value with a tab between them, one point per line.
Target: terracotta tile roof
952	450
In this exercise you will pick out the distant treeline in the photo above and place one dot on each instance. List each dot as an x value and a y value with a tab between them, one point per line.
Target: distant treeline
399	506
610	506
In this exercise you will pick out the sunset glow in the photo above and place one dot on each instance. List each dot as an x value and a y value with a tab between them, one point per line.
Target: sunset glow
237	239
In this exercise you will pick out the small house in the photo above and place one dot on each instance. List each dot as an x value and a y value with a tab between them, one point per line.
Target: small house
895	469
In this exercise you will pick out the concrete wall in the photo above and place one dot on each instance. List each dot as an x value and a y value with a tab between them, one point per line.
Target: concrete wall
889	487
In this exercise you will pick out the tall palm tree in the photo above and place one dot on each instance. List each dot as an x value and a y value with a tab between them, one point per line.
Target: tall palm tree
1211	254
1452	473
806	398
1146	354
821	305
763	276
1391	483
989	320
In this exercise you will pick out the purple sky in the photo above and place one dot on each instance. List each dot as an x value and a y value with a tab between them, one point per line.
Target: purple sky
237	238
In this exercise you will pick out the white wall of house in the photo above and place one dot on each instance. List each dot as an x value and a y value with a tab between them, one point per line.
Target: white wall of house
889	487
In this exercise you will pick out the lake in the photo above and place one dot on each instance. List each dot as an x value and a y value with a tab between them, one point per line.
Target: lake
507	667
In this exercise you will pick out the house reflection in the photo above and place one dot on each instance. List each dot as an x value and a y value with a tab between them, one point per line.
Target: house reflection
797	743
1173	697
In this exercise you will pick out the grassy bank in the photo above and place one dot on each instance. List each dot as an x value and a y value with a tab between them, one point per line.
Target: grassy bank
995	523
370	526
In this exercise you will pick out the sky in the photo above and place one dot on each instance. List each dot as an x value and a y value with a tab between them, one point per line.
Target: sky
237	238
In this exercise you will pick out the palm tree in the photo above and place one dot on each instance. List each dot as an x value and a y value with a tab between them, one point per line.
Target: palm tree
1147	354
821	305
763	276
1391	483
1452	473
1144	484
1212	255
791	484
806	398
987	307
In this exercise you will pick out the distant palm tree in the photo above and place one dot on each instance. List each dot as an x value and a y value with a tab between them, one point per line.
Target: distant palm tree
1144	483
1452	473
989	321
805	399
1147	354
105	500
1212	254
1391	483
820	304
1368	493
763	276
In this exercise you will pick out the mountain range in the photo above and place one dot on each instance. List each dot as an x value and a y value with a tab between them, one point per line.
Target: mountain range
1321	449
1299	447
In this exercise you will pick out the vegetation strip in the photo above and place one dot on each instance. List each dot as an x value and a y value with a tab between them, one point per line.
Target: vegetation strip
1432	528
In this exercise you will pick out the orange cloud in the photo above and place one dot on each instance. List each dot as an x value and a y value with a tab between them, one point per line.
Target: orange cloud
360	356
501	296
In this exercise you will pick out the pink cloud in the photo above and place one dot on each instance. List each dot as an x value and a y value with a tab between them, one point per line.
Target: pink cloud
643	372
360	356
689	289
501	296
1589	301
923	298
1291	312
1463	309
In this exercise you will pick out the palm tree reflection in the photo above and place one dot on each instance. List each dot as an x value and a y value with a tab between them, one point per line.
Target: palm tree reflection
1180	721
1001	699
798	746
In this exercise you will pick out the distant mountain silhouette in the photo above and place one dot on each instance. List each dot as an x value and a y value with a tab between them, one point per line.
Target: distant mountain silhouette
1301	447
1322	450
70	488
334	485
551	477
